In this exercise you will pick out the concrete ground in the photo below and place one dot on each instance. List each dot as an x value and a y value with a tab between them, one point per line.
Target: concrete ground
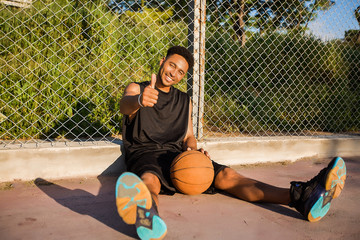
84	208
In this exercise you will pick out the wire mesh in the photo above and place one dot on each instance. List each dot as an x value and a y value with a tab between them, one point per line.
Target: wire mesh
267	73
64	66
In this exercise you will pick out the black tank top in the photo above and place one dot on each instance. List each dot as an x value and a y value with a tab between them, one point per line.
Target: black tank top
159	128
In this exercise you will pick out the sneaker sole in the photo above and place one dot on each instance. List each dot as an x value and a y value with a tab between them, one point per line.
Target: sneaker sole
334	184
336	177
134	199
155	229
131	192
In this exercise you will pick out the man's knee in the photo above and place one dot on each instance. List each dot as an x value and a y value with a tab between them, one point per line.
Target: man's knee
152	182
227	178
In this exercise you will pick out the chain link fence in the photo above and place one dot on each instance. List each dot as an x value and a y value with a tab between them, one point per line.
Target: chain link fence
258	72
268	75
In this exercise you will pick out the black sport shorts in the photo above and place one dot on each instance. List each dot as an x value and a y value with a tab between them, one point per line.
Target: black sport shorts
158	163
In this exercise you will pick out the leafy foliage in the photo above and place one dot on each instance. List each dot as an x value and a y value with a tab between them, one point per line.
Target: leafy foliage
64	68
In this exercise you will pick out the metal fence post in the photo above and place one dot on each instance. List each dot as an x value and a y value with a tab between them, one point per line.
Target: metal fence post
195	84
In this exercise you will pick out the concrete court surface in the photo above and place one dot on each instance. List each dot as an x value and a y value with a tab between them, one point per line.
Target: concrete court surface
84	208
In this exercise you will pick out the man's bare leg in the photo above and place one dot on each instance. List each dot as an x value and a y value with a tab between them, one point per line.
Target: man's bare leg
312	198
249	189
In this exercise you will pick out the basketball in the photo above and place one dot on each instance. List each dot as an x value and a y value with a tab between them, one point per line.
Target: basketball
192	172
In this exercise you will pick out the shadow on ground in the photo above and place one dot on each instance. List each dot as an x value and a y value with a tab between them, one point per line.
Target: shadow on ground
280	209
101	207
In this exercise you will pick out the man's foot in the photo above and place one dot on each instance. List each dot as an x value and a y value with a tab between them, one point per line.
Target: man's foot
312	199
135	206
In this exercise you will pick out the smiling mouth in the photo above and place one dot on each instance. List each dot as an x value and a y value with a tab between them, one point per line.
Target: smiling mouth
168	79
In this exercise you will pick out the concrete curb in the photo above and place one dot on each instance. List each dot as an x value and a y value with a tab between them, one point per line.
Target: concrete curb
278	149
104	159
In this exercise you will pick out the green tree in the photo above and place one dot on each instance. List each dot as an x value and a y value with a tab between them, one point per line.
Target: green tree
241	15
357	16
265	15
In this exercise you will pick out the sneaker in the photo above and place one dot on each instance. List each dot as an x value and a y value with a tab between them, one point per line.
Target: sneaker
312	199
136	206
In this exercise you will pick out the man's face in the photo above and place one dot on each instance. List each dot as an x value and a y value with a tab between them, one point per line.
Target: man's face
172	70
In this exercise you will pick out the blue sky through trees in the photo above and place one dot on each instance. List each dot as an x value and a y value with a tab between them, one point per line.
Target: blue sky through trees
333	23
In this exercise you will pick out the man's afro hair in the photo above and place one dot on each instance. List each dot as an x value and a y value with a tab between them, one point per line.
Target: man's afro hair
182	52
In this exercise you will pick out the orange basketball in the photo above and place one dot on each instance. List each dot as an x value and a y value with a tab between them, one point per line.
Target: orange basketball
192	172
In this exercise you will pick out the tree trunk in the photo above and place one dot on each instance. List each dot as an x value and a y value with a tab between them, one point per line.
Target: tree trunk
298	25
357	15
242	23
311	13
239	24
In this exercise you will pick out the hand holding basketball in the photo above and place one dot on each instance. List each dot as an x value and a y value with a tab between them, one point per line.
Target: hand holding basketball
150	95
200	150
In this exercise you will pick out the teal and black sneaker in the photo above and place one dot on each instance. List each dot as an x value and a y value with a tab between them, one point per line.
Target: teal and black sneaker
312	199
136	206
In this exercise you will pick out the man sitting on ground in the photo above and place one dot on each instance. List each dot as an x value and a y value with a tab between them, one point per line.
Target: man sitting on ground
158	127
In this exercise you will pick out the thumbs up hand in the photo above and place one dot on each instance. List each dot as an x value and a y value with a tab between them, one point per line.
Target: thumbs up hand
153	81
150	95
